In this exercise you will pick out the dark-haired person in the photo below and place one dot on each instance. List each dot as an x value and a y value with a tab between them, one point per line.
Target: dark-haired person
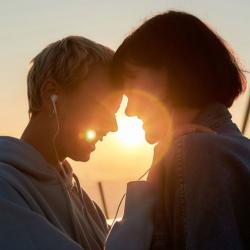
177	71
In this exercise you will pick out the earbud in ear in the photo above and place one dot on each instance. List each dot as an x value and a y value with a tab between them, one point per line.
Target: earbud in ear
53	100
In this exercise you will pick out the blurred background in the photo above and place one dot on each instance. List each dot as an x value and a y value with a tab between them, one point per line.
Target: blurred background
28	26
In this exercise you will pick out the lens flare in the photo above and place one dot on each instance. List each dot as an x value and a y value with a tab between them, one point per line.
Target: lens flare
90	135
130	131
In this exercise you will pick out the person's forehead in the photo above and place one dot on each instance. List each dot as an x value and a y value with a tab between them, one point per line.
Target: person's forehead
143	83
142	75
98	88
97	82
146	80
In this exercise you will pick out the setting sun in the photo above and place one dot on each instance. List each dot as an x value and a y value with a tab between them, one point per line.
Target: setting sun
130	132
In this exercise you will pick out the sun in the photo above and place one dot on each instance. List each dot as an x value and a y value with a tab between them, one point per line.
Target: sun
130	131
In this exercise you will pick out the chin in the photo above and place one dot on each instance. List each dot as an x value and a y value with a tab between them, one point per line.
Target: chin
151	138
80	157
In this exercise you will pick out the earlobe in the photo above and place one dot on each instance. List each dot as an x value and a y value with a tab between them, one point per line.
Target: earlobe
48	89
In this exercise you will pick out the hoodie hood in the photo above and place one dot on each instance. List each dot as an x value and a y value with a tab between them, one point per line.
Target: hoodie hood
26	159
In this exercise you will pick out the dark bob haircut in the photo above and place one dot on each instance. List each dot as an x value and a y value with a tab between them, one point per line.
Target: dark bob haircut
200	68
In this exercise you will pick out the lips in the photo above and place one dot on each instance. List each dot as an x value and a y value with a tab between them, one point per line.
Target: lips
92	147
98	138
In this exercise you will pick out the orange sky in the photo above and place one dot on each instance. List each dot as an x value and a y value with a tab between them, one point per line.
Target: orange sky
28	26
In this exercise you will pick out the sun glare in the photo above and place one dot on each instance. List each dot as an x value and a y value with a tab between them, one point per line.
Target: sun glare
130	131
89	135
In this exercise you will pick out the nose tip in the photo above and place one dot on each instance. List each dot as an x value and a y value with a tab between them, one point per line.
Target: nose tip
114	127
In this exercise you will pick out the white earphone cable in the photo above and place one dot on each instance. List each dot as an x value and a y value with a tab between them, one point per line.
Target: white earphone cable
55	136
120	203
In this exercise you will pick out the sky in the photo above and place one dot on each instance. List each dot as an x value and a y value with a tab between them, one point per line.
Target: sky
28	26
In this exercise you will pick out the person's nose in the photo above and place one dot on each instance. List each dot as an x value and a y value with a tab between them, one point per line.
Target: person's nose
109	123
113	124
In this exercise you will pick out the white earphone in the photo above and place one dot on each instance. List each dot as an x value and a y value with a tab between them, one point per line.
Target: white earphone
53	99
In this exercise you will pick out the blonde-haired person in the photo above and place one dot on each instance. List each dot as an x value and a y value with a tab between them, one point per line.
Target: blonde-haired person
42	205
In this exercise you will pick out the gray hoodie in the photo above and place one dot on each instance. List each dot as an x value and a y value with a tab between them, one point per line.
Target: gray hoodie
41	210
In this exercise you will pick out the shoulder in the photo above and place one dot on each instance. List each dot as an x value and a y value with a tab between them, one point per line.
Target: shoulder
198	140
10	176
197	152
197	163
10	193
14	186
198	144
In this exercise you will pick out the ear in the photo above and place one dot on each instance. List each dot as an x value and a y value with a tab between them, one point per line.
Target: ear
49	88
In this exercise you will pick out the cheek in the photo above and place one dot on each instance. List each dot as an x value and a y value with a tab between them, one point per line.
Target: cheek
73	119
101	121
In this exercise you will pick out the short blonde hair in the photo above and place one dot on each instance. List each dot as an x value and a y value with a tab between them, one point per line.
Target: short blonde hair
67	61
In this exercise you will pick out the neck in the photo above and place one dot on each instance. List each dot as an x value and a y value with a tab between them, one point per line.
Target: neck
183	116
39	133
